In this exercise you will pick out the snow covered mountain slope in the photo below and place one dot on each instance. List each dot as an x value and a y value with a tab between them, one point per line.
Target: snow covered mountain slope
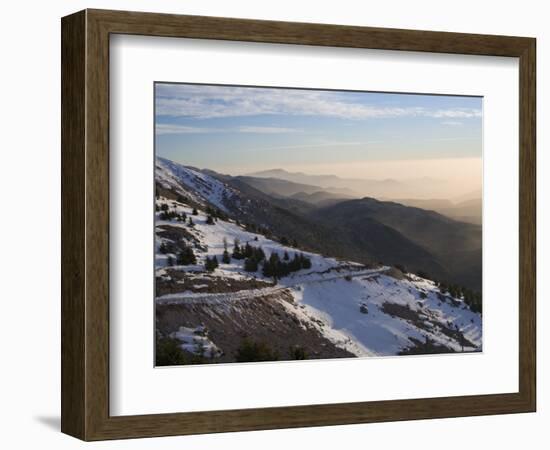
325	308
194	184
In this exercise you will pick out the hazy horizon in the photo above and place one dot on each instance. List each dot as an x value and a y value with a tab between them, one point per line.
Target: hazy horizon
359	135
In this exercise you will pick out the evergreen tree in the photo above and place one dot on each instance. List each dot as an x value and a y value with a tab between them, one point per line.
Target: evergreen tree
162	248
187	256
259	254
195	212
295	264
297	352
210	220
250	264
255	351
225	257
305	261
286	257
211	263
271	265
237	252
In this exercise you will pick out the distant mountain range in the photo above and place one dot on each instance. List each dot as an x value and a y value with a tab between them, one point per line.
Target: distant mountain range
285	188
326	221
462	210
356	187
328	189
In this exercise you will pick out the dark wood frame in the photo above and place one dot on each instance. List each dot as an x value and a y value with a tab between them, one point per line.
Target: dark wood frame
85	224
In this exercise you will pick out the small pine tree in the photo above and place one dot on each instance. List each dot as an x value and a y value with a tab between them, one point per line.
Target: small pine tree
187	257
250	351
285	256
210	220
195	212
250	265
191	223
170	261
259	254
305	261
267	269
210	264
162	248
296	263
237	251
164	207
225	257
297	352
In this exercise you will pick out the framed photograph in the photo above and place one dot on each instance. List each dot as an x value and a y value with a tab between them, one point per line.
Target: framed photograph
272	225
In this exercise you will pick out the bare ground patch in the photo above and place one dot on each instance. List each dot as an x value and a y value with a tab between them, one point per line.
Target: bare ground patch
176	234
180	281
262	319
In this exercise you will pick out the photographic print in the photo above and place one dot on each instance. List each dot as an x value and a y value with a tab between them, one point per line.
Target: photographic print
303	224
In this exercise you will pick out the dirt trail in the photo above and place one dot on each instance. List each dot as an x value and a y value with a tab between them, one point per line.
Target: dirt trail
217	298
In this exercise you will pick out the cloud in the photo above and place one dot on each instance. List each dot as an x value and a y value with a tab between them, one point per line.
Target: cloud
312	145
208	102
267	130
452	123
164	129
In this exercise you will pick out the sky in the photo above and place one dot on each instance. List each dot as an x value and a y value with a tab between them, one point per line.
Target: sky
238	130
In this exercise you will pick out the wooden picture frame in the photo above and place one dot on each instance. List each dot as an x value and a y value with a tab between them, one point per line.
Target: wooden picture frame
85	224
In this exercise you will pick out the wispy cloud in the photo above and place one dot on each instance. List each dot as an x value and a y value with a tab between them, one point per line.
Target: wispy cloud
452	123
312	145
207	102
267	130
163	129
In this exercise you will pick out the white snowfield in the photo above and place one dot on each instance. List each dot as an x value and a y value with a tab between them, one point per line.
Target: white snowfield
192	183
365	311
